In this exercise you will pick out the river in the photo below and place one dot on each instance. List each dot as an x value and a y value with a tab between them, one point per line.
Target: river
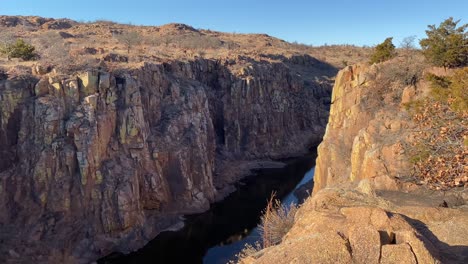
217	235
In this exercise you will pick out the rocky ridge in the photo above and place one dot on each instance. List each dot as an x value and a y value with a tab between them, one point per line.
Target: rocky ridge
102	161
365	206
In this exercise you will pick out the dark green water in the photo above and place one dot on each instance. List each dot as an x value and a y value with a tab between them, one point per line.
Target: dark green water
216	235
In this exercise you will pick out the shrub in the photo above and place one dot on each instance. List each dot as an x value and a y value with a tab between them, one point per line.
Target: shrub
53	50
451	90
407	48
129	39
446	45
390	79
439	154
403	73
19	49
276	221
384	51
458	91
248	251
407	43
6	38
192	41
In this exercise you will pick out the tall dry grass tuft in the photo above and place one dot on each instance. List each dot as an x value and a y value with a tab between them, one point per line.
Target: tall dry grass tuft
276	221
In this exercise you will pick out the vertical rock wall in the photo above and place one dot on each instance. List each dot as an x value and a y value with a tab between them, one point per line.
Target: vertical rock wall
95	162
365	134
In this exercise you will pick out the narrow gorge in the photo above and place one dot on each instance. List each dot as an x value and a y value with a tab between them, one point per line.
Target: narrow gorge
102	161
124	143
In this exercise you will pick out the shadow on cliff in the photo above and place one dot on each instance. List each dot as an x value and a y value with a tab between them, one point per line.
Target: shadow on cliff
285	102
443	252
315	67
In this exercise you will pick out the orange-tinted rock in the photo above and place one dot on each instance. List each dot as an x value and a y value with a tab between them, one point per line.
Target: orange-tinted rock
422	248
365	244
396	254
364	137
362	226
327	248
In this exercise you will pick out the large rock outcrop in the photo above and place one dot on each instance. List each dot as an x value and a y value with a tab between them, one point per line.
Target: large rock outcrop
364	207
365	133
339	225
96	162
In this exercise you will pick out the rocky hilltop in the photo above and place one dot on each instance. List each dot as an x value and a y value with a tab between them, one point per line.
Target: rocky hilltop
103	158
366	207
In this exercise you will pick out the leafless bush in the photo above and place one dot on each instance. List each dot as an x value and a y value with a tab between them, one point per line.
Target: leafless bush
193	41
407	43
6	37
58	55
390	80
53	50
403	73
46	40
407	48
276	221
103	22
248	251
129	39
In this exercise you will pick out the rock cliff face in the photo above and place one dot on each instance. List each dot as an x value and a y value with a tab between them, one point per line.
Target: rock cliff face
365	133
363	208
99	161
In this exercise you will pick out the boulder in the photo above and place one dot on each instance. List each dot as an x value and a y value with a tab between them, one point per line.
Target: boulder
395	254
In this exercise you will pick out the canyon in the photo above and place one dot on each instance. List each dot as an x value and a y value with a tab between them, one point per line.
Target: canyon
97	161
103	145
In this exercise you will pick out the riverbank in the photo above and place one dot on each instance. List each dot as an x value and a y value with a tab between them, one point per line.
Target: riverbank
226	222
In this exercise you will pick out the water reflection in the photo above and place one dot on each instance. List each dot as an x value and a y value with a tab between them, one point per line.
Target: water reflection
217	235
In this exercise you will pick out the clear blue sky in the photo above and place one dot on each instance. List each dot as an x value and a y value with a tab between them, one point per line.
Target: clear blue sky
360	22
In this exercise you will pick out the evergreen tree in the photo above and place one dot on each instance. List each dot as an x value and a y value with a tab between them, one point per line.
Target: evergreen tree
446	45
18	49
384	51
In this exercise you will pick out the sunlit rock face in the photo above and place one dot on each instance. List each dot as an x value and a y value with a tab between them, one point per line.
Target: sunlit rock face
365	133
365	206
96	161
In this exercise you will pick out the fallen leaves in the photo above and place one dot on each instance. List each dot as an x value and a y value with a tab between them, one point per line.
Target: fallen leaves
440	155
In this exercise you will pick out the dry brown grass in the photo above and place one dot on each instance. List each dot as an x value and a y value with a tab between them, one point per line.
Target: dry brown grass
177	41
247	252
276	221
440	152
